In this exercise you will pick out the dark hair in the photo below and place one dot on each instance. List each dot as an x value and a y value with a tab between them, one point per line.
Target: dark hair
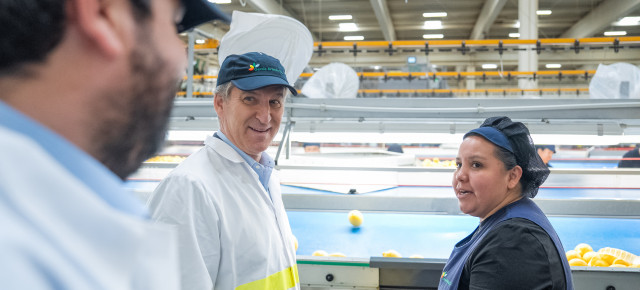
31	29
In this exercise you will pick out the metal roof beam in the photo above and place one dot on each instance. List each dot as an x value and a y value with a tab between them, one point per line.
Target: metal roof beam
488	15
381	10
270	7
273	7
601	17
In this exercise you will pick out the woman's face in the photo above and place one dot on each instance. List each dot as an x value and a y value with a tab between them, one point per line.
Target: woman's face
481	182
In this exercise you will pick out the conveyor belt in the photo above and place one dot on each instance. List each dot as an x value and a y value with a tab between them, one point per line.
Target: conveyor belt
445	191
433	236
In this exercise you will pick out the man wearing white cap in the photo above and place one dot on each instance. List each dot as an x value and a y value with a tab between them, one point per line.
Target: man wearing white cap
225	198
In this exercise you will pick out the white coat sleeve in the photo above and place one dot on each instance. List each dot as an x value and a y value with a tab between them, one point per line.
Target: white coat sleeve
182	201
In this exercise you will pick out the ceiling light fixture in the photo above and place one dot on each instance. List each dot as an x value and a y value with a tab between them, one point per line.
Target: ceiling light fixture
489	66
354	37
220	1
514	34
553	65
434	14
340	17
200	41
628	21
432	24
348	26
615	33
432	36
543	12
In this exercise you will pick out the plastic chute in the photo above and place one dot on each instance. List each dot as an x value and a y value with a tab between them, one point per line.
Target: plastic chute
615	81
335	80
279	36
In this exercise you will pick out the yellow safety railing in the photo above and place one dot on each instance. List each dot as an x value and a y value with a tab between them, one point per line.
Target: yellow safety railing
483	42
587	73
446	91
212	43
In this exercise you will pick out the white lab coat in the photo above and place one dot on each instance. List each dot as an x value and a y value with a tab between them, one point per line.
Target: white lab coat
230	231
56	233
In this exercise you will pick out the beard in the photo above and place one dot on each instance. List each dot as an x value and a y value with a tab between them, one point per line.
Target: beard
135	116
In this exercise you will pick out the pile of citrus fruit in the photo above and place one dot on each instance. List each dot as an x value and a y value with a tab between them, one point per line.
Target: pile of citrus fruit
436	162
583	255
167	158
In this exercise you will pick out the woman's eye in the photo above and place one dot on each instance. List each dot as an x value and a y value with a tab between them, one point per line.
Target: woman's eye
476	165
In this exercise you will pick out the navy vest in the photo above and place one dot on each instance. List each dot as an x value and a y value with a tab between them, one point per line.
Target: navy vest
523	208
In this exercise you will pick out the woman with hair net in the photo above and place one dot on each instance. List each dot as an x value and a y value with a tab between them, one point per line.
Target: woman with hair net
514	247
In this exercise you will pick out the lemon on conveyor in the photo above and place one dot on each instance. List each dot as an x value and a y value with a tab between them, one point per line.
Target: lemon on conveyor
416	256
577	262
295	242
573	254
337	255
597	261
391	254
355	218
620	262
583	248
611	254
588	256
320	253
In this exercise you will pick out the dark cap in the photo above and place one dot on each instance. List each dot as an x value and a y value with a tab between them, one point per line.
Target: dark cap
197	12
493	135
550	147
253	70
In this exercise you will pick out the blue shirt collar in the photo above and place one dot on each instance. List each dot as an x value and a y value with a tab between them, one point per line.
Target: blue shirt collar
87	169
262	168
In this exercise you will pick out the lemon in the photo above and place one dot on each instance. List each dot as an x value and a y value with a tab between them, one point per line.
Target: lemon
319	253
295	242
355	218
337	255
620	262
618	266
598	262
588	255
635	266
583	248
607	258
391	254
416	256
573	254
613	253
577	262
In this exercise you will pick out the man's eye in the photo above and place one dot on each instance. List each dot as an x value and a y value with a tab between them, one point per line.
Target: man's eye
275	103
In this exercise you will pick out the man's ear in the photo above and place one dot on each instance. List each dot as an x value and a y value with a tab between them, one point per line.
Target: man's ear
218	104
94	21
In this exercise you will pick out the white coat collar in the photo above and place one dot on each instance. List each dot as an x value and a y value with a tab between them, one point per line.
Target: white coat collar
224	149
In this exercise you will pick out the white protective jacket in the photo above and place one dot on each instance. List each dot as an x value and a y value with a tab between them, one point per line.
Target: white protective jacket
56	233
231	234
